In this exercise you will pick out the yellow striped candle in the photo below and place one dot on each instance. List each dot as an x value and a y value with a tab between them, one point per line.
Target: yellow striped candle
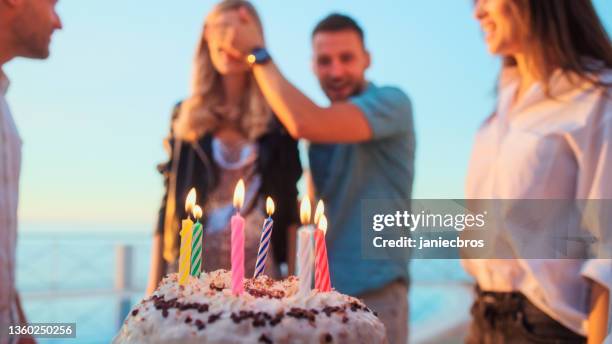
185	256
185	250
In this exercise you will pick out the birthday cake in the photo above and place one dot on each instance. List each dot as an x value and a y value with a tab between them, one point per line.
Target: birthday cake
204	310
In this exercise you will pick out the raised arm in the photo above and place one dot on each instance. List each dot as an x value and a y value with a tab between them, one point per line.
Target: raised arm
339	122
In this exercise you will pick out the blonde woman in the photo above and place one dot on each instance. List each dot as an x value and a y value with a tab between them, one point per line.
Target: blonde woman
549	139
223	132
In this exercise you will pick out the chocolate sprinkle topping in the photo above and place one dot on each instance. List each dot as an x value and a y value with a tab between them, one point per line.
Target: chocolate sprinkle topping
200	325
214	317
272	294
300	313
164	305
242	315
258	319
277	319
328	338
329	310
264	339
215	287
356	306
134	312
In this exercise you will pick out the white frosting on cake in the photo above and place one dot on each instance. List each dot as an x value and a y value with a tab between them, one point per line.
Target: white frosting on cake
205	311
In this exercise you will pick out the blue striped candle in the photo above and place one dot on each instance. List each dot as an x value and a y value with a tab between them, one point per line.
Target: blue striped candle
264	243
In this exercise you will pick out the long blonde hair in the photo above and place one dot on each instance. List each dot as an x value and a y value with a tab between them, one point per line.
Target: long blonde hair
199	113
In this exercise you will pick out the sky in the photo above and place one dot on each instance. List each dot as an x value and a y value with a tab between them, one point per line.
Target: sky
93	116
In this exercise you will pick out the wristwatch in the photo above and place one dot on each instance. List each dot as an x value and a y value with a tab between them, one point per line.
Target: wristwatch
258	56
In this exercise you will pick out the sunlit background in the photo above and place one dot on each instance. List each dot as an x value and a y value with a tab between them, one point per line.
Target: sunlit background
93	117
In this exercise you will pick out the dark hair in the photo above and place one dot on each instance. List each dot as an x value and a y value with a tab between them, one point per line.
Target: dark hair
561	34
338	22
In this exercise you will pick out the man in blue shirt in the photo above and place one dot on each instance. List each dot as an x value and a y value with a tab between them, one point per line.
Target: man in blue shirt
362	148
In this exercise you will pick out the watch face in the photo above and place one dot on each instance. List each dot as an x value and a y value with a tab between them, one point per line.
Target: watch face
261	56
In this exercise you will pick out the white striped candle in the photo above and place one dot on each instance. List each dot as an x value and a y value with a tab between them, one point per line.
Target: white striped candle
305	256
305	259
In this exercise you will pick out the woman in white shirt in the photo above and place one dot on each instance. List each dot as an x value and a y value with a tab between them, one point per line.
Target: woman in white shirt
549	138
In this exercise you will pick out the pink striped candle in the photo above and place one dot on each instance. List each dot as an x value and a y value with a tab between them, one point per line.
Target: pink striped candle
322	280
237	240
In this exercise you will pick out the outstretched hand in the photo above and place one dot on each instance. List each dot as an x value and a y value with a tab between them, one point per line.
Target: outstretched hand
243	37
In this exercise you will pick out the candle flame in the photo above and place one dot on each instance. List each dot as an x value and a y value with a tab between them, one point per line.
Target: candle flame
190	201
323	224
269	206
319	211
305	210
197	212
239	194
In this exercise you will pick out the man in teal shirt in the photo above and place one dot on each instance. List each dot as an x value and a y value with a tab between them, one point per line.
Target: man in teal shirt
362	148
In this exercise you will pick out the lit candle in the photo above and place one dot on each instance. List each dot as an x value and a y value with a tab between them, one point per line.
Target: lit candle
319	211
186	234
196	244
304	252
237	226
264	242
322	280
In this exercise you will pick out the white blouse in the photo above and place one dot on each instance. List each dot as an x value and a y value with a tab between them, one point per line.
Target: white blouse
545	148
10	164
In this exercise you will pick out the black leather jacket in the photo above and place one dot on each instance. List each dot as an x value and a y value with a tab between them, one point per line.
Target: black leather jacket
191	165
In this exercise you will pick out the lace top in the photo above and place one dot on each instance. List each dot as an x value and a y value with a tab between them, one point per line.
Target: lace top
234	161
